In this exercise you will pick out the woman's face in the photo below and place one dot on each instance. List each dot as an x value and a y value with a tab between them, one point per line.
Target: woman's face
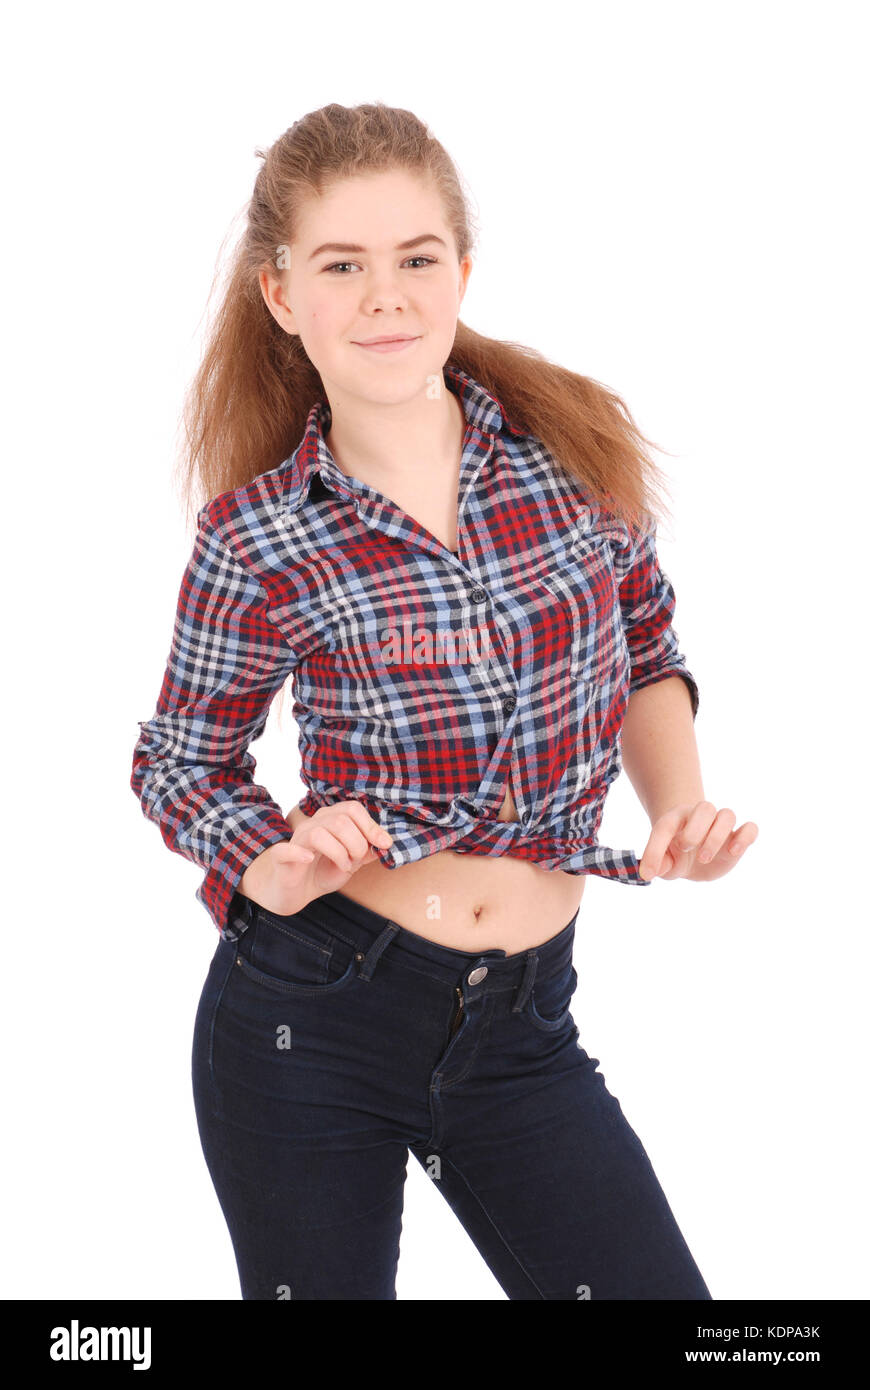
351	275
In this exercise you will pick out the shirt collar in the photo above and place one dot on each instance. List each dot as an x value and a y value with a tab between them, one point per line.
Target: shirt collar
483	412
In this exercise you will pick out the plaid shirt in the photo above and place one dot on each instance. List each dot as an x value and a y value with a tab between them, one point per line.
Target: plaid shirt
421	678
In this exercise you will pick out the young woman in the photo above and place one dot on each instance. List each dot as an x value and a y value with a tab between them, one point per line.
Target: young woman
448	543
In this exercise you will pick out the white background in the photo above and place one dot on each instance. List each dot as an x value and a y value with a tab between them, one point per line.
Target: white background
672	200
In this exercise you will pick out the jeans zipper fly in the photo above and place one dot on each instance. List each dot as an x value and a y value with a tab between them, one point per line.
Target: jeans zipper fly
458	1015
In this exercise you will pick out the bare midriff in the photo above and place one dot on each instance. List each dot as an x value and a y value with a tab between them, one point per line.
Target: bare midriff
472	902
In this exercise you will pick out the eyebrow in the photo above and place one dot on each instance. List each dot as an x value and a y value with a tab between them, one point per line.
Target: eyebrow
352	246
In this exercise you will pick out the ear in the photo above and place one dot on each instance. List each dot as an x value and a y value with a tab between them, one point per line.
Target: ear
464	271
274	293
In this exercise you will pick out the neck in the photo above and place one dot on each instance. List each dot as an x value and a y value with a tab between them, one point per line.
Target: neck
383	445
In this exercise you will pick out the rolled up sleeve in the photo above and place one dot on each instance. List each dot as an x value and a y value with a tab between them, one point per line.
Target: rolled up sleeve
191	771
648	602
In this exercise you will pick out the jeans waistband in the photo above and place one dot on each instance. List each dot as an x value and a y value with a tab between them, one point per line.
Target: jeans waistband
371	933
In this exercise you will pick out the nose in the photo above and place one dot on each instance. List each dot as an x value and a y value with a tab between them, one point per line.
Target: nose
383	293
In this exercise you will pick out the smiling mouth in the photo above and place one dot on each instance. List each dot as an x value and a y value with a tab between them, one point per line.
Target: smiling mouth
388	344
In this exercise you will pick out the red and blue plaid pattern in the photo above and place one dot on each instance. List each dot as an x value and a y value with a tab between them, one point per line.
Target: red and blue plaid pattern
421	678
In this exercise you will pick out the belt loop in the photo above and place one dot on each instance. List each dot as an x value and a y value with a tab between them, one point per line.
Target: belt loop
372	956
527	981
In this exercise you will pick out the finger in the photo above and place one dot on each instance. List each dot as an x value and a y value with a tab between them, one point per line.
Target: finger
662	839
292	852
356	847
743	838
356	839
321	839
717	835
698	825
367	825
345	828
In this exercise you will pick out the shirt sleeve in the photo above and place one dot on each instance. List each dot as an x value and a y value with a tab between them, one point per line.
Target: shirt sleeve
647	600
192	772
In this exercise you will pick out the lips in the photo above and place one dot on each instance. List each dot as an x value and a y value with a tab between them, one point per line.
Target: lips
387	344
392	338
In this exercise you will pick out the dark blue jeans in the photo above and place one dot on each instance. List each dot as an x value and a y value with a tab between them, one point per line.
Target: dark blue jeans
330	1043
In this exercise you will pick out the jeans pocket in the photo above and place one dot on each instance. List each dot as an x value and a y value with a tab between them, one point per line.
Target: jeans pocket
295	954
548	1007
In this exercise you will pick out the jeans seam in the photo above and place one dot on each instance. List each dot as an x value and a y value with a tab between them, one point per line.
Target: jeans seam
217	1098
447	1159
299	937
484	1034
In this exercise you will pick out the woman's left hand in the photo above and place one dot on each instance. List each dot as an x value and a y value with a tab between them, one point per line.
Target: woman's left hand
696	842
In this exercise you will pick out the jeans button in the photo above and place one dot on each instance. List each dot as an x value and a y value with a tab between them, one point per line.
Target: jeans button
478	974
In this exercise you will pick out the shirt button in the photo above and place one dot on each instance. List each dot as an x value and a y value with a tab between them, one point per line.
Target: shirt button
509	704
478	595
477	975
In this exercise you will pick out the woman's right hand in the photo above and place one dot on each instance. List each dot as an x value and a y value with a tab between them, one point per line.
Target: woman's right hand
320	857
